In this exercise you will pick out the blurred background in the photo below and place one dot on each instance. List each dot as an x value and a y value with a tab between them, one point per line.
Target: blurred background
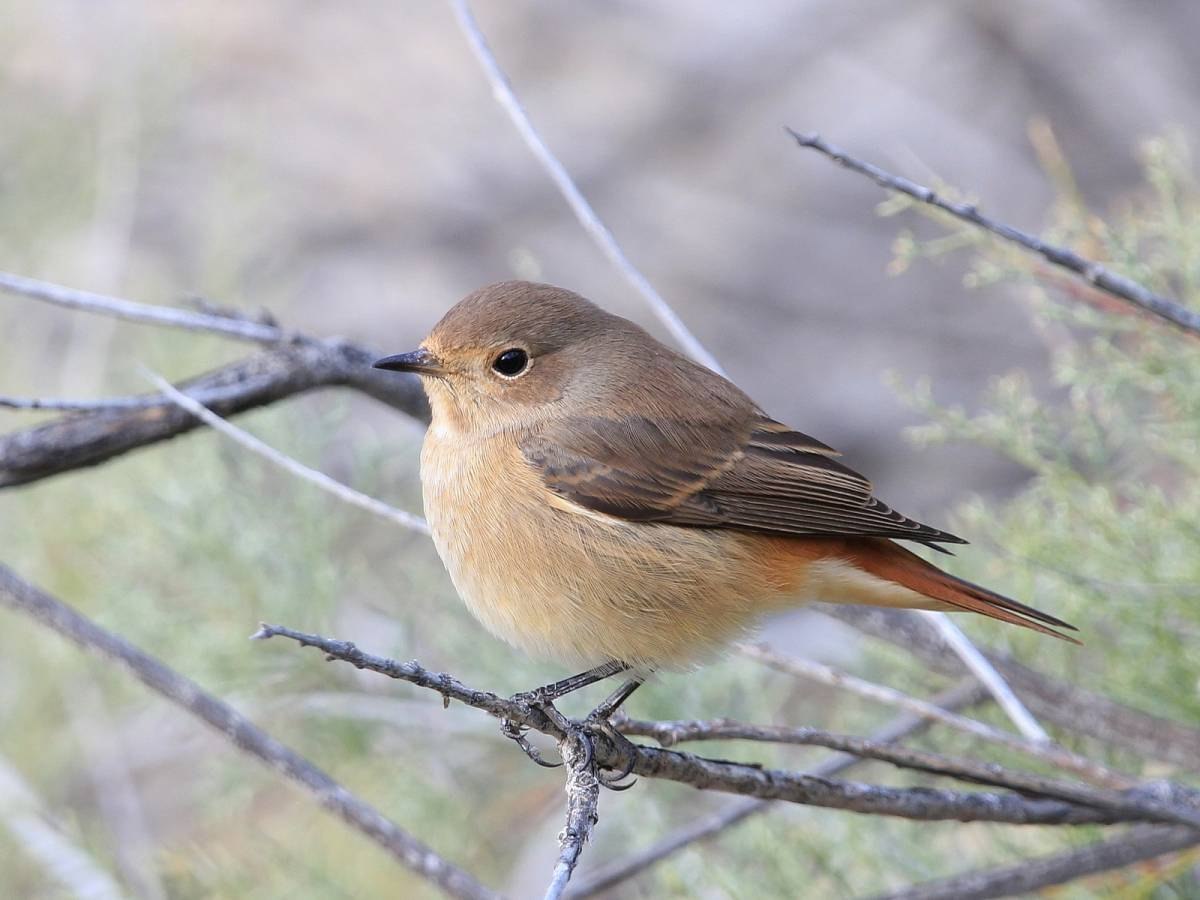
345	167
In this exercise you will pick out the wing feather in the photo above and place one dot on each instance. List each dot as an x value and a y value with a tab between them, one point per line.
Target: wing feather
737	470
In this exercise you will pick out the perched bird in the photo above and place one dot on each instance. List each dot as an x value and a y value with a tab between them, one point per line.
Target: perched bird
601	500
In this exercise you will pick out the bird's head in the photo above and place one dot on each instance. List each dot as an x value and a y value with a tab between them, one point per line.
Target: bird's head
516	352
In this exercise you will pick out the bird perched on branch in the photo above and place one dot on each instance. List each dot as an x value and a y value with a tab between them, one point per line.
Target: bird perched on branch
602	500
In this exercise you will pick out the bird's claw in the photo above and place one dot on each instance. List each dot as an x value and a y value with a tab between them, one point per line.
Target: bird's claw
597	723
516	734
600	724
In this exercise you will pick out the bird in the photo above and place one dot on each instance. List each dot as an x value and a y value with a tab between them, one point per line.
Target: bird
600	500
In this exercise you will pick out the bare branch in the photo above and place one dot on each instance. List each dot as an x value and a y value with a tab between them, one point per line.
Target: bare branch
737	778
1031	875
108	404
592	224
239	328
77	441
1057	701
981	668
320	479
739	810
1125	289
583	795
1050	753
247	737
669	733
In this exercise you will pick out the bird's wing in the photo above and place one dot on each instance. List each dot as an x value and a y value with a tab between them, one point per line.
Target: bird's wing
745	471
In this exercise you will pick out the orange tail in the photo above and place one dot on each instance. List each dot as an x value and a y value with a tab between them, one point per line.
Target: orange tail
887	560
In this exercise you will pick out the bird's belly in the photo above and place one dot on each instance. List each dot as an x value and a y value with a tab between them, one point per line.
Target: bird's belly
581	587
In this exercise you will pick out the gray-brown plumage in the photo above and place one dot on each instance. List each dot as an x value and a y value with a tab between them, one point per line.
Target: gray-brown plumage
597	496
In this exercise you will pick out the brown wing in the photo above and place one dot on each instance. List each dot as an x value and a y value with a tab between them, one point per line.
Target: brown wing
746	472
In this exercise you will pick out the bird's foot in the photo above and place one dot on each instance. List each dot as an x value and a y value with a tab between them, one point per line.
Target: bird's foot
597	725
516	734
585	731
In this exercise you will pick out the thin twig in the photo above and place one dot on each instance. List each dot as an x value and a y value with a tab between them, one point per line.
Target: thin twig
88	301
1125	289
23	597
28	820
503	93
737	811
1066	705
1029	876
108	404
979	666
59	404
320	479
583	796
739	778
1050	753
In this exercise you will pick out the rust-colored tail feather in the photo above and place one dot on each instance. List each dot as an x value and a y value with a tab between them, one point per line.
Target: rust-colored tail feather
885	559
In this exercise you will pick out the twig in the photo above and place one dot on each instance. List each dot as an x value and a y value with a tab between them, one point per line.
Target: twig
24	815
503	93
1118	286
583	795
736	778
1066	705
85	439
737	811
107	404
1031	875
320	479
72	298
979	666
23	597
670	733
1051	753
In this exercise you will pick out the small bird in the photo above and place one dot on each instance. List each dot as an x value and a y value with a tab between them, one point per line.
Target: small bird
601	500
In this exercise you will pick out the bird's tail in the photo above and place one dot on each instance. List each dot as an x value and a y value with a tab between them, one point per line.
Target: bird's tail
893	563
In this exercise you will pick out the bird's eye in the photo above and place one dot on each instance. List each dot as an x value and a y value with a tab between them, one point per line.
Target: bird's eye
511	363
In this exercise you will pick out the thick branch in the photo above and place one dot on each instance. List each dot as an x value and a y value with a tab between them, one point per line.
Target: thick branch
1030	875
1125	289
78	441
27	599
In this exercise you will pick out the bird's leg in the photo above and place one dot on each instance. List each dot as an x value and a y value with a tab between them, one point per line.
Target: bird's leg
550	692
598	720
611	703
543	698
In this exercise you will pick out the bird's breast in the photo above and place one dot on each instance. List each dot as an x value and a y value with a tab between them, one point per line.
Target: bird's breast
566	583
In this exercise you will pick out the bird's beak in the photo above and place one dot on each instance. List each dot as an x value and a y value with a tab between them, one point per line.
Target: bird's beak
420	361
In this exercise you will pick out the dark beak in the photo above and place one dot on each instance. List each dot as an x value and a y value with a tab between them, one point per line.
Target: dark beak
420	361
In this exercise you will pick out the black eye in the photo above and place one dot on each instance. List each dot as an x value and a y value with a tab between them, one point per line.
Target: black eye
511	363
